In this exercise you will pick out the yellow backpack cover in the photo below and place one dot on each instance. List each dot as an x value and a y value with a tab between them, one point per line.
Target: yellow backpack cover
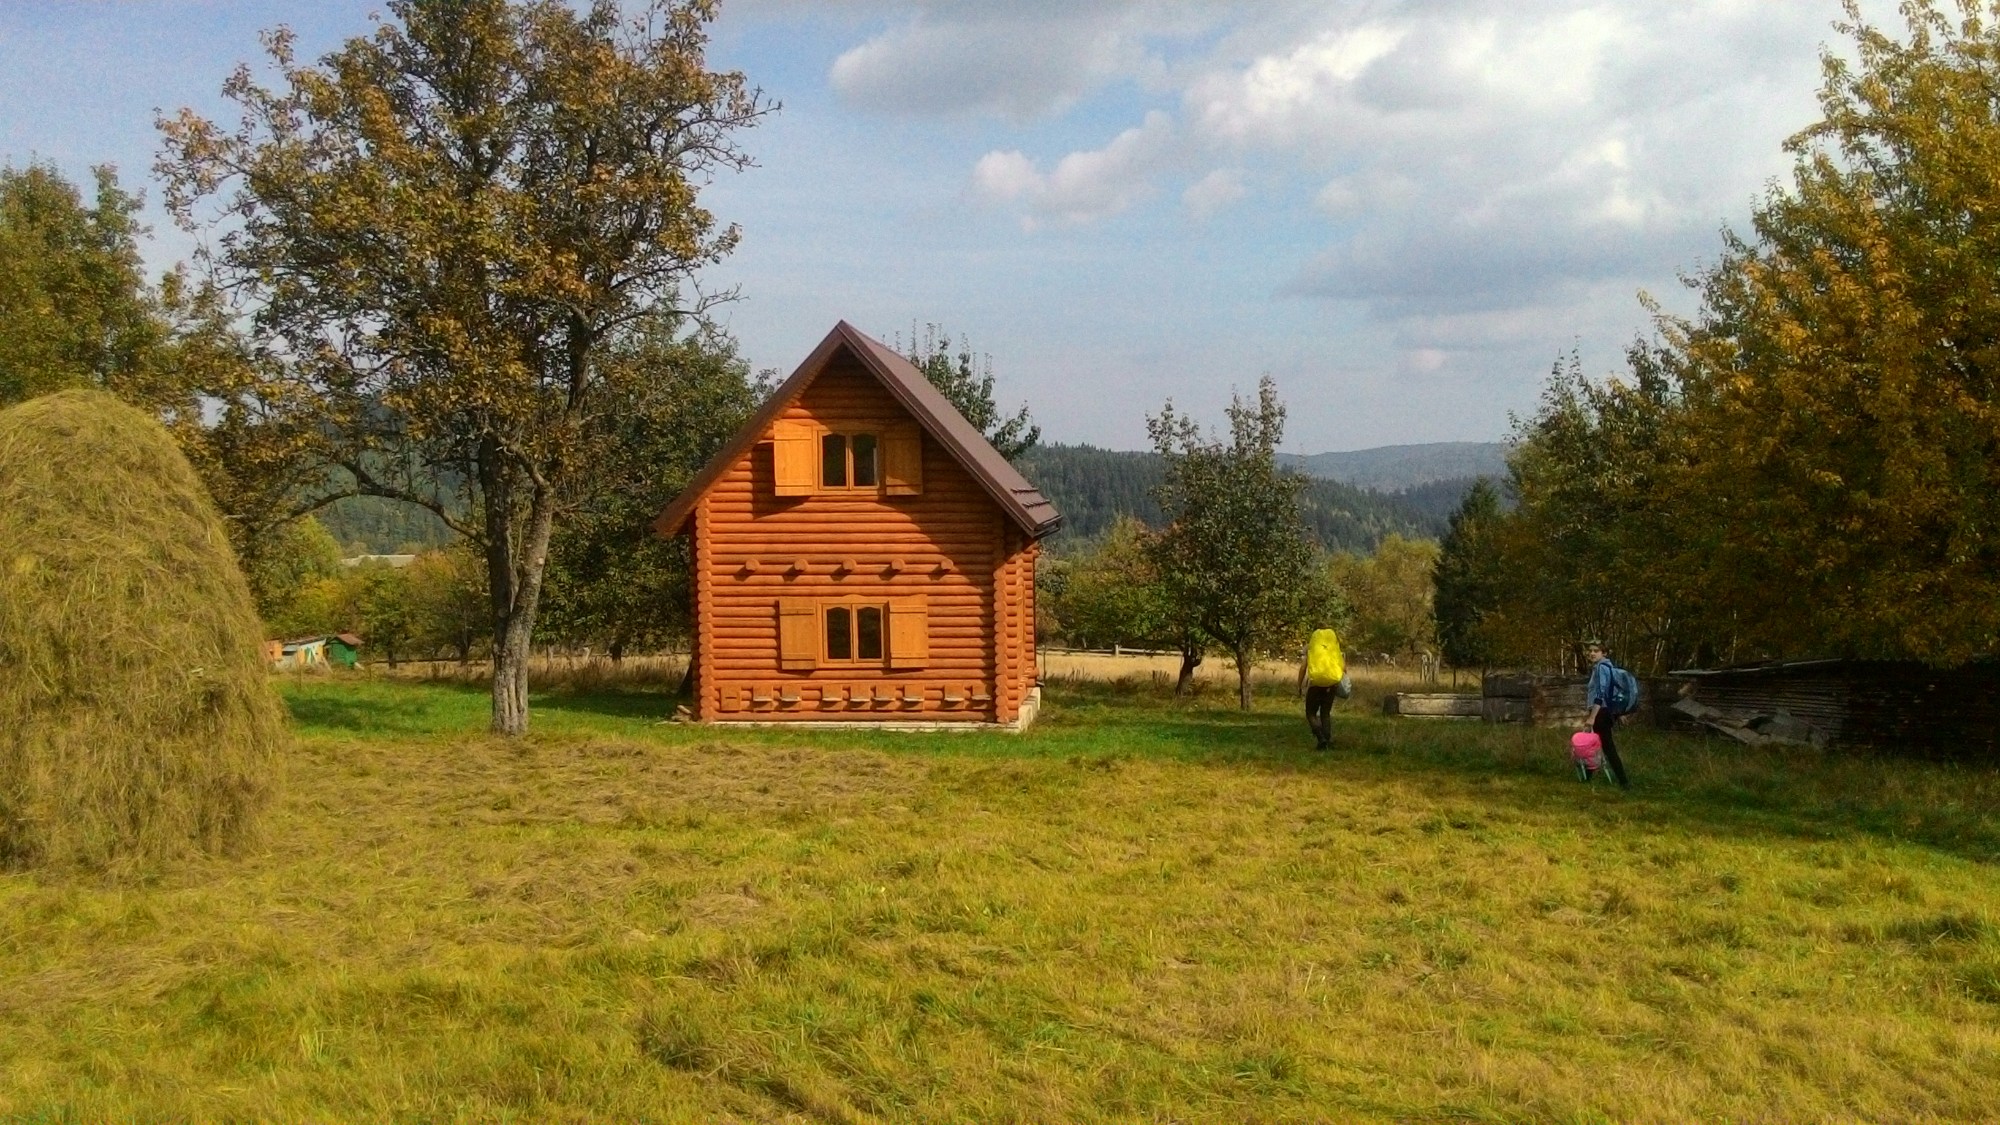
1324	665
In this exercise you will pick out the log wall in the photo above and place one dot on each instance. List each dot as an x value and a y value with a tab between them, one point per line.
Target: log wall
950	544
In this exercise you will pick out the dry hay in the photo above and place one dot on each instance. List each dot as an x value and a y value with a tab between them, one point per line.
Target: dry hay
136	720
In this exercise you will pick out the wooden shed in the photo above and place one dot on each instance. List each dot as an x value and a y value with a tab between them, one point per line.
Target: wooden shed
862	555
1900	707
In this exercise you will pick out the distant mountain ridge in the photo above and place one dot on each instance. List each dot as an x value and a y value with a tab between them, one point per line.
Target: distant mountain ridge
1354	499
1396	468
1092	487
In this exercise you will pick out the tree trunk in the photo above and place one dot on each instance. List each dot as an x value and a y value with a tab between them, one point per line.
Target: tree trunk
1190	660
1244	666
510	679
516	586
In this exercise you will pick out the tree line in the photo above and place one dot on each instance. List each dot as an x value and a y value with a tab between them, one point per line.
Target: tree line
369	525
1809	464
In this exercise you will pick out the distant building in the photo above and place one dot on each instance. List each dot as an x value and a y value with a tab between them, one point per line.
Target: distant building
1894	706
305	652
342	650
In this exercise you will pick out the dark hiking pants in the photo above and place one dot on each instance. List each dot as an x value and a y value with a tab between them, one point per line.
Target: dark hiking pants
1605	724
1319	713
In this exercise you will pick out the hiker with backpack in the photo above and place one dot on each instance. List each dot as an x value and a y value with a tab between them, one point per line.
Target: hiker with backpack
1613	693
1322	676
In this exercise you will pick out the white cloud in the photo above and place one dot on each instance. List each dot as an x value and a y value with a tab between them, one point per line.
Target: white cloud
1021	60
1339	198
1534	139
1425	361
1277	98
1214	192
1006	176
1083	186
1486	155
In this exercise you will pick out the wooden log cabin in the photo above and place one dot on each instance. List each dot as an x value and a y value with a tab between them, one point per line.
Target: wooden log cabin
862	554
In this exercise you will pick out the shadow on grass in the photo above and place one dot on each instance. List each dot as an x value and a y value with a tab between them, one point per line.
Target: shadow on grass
618	703
1818	796
401	711
405	707
1687	782
1701	784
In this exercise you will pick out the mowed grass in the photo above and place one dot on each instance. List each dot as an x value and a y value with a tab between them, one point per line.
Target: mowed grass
1138	911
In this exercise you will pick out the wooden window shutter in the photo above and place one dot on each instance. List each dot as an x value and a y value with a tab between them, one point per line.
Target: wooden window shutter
794	448
909	632
902	452
798	634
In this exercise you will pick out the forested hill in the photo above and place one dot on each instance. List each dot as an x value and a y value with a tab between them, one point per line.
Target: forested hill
1394	468
370	525
1092	487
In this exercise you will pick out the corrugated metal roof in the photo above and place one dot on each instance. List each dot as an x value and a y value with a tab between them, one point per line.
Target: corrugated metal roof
1023	502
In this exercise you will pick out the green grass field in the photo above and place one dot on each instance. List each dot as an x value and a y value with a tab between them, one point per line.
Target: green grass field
1138	911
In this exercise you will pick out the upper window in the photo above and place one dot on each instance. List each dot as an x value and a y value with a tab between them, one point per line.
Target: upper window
847	461
809	458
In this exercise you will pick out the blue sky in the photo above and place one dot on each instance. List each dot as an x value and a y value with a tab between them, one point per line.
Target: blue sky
1403	211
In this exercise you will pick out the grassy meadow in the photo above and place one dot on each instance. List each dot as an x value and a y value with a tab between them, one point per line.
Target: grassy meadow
1140	910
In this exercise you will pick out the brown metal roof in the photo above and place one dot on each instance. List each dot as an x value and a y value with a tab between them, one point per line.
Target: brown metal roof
1023	502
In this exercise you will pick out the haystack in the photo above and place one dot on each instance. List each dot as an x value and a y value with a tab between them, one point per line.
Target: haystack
136	720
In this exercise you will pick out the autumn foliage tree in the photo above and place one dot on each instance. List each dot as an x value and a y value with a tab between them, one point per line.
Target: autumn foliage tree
1389	597
1842	380
75	310
1809	465
1114	594
443	230
1593	547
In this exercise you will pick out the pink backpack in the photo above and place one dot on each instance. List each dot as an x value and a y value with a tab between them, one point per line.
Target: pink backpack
1588	751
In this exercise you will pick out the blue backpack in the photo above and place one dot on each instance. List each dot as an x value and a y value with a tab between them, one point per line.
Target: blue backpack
1624	691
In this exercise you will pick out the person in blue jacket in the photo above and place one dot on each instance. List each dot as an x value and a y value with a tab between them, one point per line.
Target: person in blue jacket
1603	717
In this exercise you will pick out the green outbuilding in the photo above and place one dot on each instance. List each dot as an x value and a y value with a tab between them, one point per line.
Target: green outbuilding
343	650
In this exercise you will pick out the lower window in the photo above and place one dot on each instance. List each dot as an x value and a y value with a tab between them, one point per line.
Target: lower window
853	633
891	632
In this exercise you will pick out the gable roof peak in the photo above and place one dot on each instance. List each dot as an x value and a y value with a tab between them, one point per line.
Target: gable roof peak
1022	501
